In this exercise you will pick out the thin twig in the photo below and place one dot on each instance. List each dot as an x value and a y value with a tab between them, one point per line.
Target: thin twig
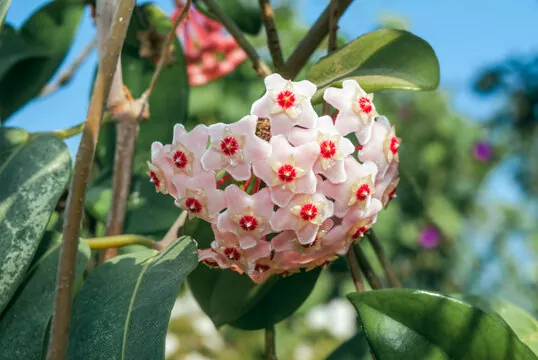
107	242
311	41
272	34
385	263
333	28
259	65
366	268
354	269
270	346
75	202
172	233
68	74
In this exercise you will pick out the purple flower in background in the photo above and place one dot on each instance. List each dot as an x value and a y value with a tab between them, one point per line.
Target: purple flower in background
483	151
429	237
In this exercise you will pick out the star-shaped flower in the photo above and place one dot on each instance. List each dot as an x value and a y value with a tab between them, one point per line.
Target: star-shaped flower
286	104
288	171
357	190
234	147
333	148
247	216
383	147
304	214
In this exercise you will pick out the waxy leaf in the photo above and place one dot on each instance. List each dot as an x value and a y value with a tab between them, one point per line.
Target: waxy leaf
356	348
230	298
23	326
31	182
245	13
413	324
48	34
379	60
10	139
123	309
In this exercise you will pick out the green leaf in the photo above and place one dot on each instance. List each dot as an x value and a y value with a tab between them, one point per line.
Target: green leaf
15	48
23	326
10	139
123	309
379	60
48	34
413	324
31	182
249	306
245	13
168	103
355	348
4	5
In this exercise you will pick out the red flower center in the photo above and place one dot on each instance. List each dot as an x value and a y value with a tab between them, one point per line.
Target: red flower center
327	149
287	173
394	145
193	205
248	223
362	192
261	268
180	159
285	99
154	179
232	253
308	212
365	104
211	263
229	146
359	233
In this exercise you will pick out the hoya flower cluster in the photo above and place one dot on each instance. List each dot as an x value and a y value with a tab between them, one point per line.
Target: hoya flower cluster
283	188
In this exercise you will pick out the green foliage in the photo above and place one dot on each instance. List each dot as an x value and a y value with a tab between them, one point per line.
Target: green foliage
379	60
412	324
245	13
31	55
355	348
31	182
23	326
123	309
10	139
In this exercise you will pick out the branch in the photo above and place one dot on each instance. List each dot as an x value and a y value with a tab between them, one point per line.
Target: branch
354	269
387	267
272	34
366	268
333	27
68	74
75	202
311	41
259	65
270	348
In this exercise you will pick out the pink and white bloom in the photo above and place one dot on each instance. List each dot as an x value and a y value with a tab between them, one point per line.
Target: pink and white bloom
333	148
187	149
304	214
247	216
286	104
234	147
384	146
356	191
289	170
199	196
356	110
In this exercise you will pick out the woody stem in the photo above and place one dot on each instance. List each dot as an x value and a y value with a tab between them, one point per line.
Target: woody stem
354	269
270	346
366	268
387	267
333	27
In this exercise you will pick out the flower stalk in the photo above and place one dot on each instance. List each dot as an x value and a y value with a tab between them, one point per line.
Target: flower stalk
385	263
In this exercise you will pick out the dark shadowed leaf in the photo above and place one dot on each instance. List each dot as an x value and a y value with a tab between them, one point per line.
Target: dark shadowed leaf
31	182
355	348
24	324
379	60
245	13
123	309
10	139
414	324
4	5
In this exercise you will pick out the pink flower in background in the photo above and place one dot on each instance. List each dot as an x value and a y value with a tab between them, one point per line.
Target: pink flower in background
429	237
209	50
483	151
283	189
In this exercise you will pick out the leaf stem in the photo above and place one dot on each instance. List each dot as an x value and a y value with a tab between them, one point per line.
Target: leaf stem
366	268
272	34
258	64
354	269
312	39
270	346
385	263
83	165
117	241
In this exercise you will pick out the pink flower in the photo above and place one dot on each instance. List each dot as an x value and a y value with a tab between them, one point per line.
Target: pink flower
289	170
286	104
356	110
247	216
383	147
333	148
356	191
187	149
199	196
304	214
234	147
